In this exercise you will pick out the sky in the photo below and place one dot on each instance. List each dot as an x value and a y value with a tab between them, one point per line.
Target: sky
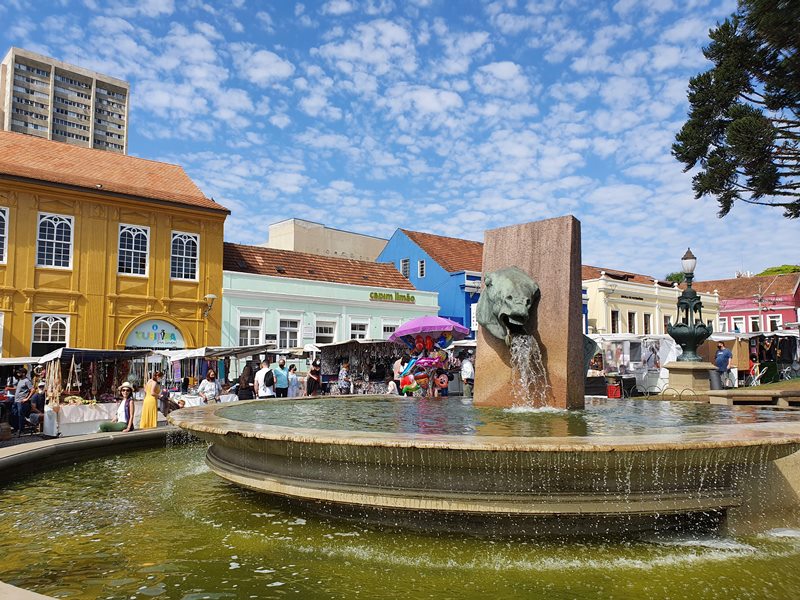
445	116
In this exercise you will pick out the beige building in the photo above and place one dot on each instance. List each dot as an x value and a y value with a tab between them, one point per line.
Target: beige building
314	238
57	101
622	302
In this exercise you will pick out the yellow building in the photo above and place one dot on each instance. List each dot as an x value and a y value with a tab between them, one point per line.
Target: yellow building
623	302
103	250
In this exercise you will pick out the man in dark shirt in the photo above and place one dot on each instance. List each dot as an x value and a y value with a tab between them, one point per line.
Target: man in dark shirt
35	408
723	360
21	394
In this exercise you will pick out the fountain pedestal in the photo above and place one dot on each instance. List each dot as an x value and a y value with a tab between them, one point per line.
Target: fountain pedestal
689	376
550	252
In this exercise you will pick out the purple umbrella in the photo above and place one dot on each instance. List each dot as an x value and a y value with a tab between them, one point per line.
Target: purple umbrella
431	326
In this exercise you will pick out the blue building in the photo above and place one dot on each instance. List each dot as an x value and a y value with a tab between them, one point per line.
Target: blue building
449	266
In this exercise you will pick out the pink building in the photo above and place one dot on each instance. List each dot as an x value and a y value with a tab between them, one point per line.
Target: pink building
755	304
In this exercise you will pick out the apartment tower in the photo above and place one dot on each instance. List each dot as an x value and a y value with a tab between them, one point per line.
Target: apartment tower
57	101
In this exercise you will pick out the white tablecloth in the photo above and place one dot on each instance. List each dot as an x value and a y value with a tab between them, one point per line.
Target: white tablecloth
78	419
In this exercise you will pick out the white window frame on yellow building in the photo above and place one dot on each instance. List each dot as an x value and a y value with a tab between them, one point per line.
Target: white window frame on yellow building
196	237
38	316
4	246
71	219
146	229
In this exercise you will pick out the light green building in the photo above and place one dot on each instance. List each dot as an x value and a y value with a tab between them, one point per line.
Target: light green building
295	299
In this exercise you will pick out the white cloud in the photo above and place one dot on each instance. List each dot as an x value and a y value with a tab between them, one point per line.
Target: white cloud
502	79
146	8
378	47
261	67
337	7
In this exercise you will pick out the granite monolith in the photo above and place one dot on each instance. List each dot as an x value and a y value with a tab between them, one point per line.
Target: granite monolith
550	252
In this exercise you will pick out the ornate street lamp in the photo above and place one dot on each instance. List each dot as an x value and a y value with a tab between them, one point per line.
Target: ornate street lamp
690	330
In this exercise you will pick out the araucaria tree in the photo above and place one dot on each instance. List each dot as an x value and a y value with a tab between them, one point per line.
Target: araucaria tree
744	123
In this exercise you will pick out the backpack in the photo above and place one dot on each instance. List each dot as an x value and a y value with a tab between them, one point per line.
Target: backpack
269	379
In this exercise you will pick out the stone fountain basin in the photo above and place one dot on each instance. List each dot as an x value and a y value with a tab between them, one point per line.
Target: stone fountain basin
699	470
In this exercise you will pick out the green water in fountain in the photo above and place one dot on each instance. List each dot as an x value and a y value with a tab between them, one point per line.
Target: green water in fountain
159	524
457	416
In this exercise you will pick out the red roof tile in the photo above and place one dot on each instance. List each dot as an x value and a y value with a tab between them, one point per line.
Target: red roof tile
314	267
746	287
589	272
452	254
31	157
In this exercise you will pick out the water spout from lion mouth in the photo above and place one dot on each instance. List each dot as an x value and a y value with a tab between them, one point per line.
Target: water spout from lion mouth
514	324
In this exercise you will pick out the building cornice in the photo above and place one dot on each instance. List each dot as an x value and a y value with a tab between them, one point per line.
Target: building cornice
267	296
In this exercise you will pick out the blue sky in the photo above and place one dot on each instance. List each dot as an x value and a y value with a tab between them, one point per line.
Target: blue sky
448	116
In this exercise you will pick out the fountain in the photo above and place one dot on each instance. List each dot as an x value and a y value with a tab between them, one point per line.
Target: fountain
676	498
585	484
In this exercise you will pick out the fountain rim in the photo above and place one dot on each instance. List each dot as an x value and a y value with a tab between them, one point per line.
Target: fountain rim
206	420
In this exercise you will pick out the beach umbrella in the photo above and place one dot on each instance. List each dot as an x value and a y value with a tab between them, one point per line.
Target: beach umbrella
430	325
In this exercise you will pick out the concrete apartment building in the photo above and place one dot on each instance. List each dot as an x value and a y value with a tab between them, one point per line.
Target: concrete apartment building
57	101
314	238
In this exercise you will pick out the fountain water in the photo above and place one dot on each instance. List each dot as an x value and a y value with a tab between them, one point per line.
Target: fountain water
530	387
595	484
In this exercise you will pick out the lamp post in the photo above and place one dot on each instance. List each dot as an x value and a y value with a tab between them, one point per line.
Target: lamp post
690	330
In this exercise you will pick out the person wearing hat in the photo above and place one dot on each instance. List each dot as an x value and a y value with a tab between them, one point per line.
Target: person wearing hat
125	411
35	406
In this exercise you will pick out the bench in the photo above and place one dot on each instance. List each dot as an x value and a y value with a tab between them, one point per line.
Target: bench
782	398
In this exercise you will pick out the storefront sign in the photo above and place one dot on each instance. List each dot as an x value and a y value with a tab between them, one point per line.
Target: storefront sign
392	297
631	297
155	334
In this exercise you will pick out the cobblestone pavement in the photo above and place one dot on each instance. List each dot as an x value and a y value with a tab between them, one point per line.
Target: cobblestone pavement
25	438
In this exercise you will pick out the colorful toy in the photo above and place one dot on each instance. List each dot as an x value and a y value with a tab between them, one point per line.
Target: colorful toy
408	368
419	343
441	381
428	343
421	378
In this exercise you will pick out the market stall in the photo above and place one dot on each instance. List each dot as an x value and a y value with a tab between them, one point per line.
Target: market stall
635	363
185	369
81	386
773	350
370	362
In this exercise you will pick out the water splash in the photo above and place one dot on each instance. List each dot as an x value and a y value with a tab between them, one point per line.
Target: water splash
530	386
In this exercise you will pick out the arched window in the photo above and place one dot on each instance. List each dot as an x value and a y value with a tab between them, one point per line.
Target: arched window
54	241
3	233
184	255
49	333
134	242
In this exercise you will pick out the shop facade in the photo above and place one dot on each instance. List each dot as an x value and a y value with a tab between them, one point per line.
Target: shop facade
101	250
295	299
756	304
629	303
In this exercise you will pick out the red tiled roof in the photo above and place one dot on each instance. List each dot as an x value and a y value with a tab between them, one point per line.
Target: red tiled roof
746	287
300	265
452	254
31	157
589	272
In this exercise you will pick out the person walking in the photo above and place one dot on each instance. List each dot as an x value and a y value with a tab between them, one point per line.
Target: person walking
126	410
209	389
467	374
314	379
344	382
152	390
294	382
265	381
246	389
281	379
723	360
